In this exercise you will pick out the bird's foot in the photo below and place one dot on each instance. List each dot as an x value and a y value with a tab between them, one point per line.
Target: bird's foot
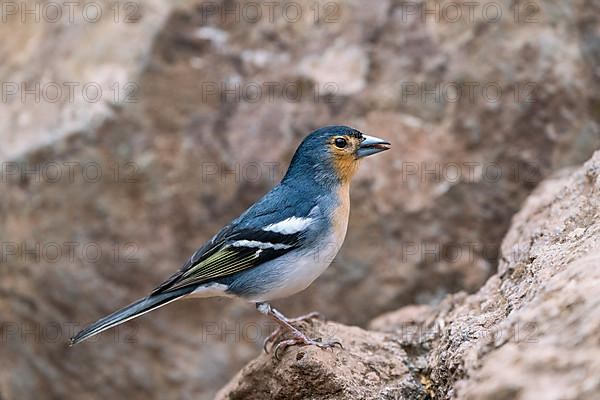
300	339
281	329
285	325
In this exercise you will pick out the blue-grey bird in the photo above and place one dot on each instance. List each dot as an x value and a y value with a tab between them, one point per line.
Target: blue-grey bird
277	247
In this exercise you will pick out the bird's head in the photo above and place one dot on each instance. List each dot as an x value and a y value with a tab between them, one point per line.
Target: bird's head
332	154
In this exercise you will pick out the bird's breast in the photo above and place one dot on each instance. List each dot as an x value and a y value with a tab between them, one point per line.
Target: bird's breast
340	214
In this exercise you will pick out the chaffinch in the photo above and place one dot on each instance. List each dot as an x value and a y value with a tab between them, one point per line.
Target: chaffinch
277	247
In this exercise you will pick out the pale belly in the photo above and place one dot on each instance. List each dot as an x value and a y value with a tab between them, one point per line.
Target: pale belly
286	275
297	272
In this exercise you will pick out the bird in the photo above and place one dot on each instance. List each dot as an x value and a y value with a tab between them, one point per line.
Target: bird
278	246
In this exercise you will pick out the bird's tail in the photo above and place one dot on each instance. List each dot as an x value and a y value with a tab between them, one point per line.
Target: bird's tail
134	310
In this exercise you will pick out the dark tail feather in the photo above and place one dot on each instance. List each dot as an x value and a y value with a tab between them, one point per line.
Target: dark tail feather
131	311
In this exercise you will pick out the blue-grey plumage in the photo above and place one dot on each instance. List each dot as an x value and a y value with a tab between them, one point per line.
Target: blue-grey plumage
281	244
295	270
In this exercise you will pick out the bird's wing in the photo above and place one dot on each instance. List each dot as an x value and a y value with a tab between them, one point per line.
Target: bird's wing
240	246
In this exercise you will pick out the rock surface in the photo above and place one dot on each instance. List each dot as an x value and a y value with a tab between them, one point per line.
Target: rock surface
61	73
365	368
531	332
181	162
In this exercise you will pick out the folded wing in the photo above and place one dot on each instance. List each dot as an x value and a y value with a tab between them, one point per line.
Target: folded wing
230	252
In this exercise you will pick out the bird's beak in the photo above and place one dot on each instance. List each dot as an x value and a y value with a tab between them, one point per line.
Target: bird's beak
372	145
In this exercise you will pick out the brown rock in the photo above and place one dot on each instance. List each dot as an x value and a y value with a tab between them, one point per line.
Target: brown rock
404	318
369	367
542	310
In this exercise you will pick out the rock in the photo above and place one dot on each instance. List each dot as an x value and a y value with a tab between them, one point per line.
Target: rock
530	332
541	312
370	367
54	84
345	66
404	318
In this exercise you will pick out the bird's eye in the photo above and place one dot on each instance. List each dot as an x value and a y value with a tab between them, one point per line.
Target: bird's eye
340	142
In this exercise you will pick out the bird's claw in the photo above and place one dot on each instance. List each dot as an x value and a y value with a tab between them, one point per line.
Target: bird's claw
272	338
302	340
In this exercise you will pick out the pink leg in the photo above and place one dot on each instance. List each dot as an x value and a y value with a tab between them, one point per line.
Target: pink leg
298	338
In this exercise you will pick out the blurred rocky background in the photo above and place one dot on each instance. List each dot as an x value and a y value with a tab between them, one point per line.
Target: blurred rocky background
129	137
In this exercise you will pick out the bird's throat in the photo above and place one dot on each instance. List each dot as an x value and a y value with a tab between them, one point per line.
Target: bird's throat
345	168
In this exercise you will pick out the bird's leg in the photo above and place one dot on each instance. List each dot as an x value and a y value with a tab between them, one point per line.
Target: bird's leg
284	323
281	328
298	337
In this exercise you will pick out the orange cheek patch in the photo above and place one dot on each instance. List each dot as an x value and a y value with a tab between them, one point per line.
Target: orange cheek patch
345	166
